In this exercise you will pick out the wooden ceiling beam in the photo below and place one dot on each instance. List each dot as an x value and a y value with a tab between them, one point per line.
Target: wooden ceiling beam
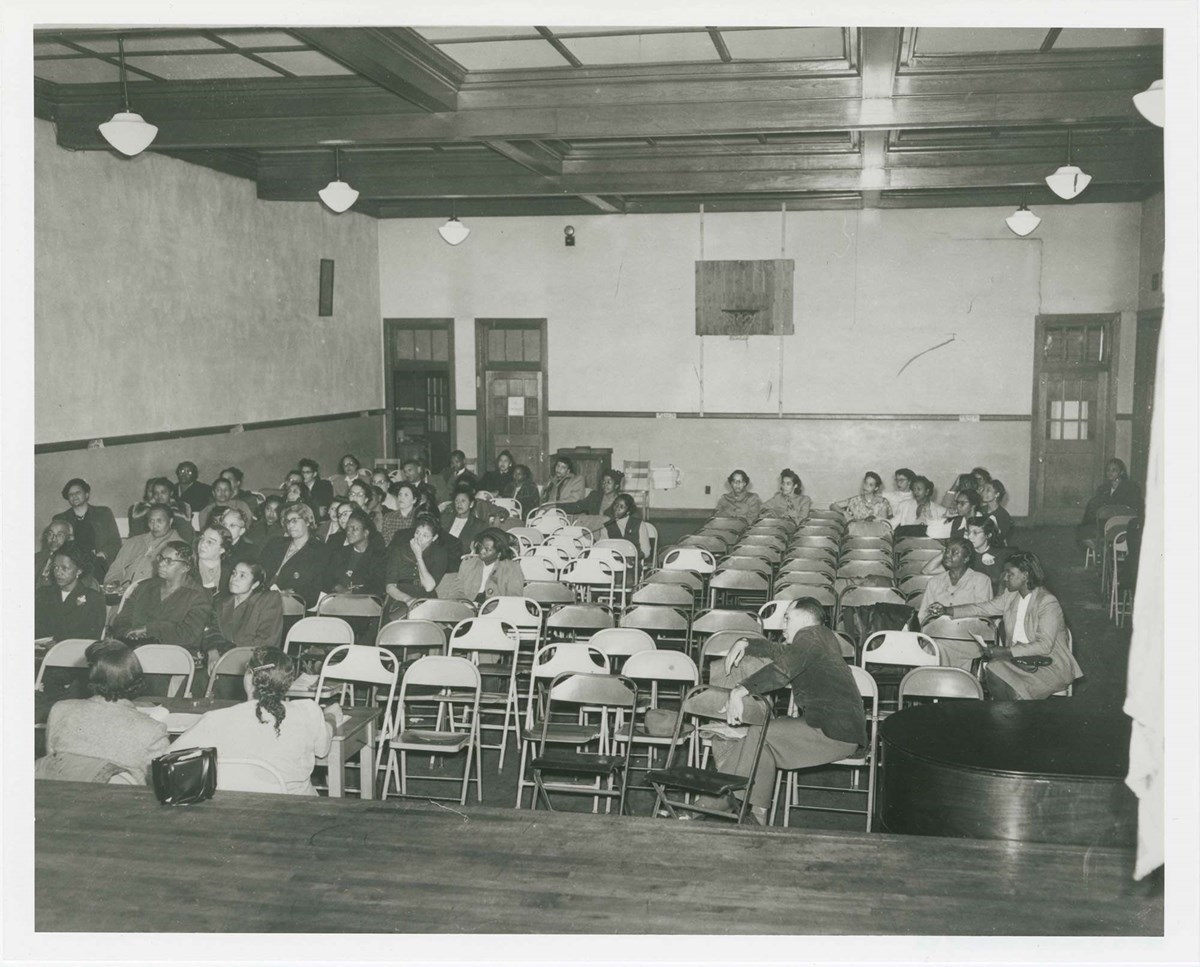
604	205
529	154
397	59
609	121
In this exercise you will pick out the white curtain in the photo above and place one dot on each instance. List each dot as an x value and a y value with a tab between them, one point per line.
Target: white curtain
1144	698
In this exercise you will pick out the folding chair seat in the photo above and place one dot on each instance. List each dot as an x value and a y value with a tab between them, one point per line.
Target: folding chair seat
547	593
450	676
232	664
549	662
611	698
499	642
885	652
678	780
862	759
738	589
405	633
668	626
937	682
575	621
617	644
173	660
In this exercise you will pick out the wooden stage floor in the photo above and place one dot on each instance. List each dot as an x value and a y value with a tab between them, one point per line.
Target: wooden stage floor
111	858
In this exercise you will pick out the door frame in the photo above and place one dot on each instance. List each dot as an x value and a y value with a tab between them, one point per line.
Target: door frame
1143	396
1106	422
482	365
390	328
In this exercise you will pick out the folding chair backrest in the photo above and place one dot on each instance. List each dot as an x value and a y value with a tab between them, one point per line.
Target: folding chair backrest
581	534
911	648
547	521
173	660
820	579
655	617
537	568
695	559
739	580
718	645
866	554
921	555
594	689
580	617
554	555
866	544
869	528
915	584
233	663
408	633
763	552
484	634
861	569
531	534
755	538
959	629
319	630
591	571
368	664
293	605
548	593
863	597
734	524
446	611
651	533
937	681
706	701
714	620
818	565
821	541
906	544
684	579
710	542
753	564
68	653
567	656
868	688
441	671
661	666
1117	522
350	606
524	614
626	550
621	642
671	595
250	775
511	504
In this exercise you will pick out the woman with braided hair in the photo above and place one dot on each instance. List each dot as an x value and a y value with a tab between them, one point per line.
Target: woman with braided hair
287	735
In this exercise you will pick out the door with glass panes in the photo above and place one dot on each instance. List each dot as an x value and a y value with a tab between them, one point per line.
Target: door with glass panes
420	390
511	359
1074	419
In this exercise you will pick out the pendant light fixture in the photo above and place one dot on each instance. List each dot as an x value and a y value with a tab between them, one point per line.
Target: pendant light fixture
1023	221
1152	103
129	133
453	231
337	195
1069	180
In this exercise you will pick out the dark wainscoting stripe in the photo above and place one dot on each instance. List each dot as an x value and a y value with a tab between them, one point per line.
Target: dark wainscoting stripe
1124	416
863	417
113	441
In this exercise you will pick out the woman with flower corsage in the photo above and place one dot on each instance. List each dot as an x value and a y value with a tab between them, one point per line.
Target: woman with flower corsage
68	608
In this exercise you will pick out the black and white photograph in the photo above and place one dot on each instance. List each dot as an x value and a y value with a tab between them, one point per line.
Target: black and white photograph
715	482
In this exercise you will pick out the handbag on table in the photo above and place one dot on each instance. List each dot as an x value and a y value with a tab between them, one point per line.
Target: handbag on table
185	776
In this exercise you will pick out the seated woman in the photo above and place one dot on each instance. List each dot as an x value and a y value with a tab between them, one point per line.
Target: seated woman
867	504
989	552
404	515
901	493
625	523
171	608
296	562
1033	622
416	563
1115	490
993	495
964	481
242	549
525	491
330	531
358	564
249	615
459	521
237	481
967	504
499	481
94	528
491	570
956	583
223	498
599	501
916	513
135	560
352	470
288	736
385	483
269	525
68	608
565	485
789	501
212	557
295	492
741	501
95	739
160	490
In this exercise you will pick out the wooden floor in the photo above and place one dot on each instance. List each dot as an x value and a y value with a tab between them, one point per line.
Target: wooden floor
113	859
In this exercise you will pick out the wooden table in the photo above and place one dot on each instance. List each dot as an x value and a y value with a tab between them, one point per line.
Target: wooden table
1047	772
274	863
355	736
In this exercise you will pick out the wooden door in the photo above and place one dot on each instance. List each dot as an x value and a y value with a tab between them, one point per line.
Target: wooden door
1073	413
1149	326
419	384
511	359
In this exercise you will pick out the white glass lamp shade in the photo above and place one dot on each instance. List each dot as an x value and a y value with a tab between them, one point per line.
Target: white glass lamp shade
454	232
1152	103
129	133
1068	181
338	196
1022	221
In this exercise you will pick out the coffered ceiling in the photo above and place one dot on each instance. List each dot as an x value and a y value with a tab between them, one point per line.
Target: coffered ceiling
513	120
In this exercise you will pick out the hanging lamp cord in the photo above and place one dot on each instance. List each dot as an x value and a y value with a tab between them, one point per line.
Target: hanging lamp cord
121	58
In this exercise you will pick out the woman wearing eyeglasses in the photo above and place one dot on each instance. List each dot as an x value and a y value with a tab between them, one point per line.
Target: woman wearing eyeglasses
298	561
